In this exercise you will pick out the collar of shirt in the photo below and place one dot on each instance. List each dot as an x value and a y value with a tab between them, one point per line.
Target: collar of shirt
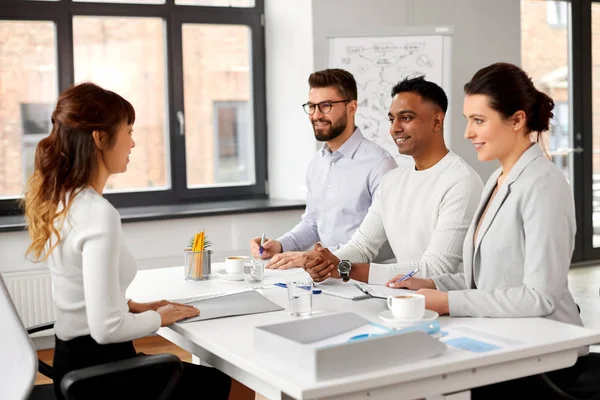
348	149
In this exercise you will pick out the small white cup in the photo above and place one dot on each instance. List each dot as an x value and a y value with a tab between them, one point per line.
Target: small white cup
408	306
235	264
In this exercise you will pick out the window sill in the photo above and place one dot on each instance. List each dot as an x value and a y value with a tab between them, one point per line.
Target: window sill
151	213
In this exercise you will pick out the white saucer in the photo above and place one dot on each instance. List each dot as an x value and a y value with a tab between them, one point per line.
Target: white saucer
230	277
388	317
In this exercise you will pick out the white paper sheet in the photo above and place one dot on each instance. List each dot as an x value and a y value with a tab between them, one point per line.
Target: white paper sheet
339	288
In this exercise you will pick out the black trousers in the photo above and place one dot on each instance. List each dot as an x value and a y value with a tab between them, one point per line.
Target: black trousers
530	387
83	351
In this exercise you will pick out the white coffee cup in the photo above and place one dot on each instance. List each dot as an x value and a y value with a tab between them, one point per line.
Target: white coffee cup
235	264
407	306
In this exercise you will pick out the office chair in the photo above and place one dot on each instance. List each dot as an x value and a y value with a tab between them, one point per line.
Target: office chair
18	361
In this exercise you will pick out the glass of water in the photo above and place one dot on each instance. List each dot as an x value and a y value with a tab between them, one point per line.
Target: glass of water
300	297
254	273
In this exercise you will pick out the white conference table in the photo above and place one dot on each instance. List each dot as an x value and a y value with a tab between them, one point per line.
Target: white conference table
227	344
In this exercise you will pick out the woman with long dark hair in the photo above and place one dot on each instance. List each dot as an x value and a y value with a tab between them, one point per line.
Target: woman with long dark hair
78	233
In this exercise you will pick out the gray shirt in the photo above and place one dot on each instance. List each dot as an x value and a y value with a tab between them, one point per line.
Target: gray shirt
340	185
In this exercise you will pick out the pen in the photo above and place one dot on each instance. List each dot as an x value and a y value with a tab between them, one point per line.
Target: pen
409	275
430	328
359	287
262	241
364	336
283	285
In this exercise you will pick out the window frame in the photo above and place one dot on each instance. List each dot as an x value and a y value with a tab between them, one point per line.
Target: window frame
62	12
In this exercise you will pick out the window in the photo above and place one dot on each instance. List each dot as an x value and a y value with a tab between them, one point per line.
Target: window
231	144
28	73
545	57
193	70
35	125
216	67
127	55
557	14
559	136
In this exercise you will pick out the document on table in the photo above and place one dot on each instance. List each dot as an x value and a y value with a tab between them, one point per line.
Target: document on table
381	291
229	305
475	340
339	288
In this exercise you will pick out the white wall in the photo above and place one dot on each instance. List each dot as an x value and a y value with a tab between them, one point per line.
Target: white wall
160	243
485	31
289	52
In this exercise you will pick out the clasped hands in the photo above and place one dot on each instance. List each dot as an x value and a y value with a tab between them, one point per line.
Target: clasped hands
320	264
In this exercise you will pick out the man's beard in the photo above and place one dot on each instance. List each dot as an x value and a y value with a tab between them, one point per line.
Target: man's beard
334	130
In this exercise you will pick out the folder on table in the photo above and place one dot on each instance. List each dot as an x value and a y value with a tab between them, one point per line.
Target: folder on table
229	305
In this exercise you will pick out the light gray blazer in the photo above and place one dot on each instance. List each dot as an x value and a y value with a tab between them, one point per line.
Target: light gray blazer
519	264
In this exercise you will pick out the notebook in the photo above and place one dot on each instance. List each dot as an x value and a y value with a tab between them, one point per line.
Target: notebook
229	305
380	291
339	288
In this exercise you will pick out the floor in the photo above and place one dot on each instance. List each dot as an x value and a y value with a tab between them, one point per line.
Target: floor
584	283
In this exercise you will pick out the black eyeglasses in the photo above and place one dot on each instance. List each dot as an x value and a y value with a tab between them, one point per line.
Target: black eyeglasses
324	106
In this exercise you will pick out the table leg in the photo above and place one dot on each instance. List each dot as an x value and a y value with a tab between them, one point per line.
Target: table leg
196	360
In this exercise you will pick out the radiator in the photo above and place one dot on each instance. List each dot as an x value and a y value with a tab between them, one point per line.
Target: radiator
31	292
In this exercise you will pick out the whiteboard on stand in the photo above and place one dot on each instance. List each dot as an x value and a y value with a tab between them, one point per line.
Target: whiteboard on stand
379	62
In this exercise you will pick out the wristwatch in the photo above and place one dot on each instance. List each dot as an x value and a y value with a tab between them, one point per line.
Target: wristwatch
344	268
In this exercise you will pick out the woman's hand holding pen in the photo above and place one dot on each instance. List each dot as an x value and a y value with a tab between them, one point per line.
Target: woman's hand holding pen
410	283
174	312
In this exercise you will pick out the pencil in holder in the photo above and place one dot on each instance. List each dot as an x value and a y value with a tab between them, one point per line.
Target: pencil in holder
197	265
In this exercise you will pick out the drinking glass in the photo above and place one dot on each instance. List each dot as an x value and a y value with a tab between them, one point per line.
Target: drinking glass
300	297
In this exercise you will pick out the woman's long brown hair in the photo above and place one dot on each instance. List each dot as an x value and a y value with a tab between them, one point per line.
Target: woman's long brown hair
66	160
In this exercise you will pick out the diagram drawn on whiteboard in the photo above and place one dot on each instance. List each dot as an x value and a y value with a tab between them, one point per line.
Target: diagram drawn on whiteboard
378	63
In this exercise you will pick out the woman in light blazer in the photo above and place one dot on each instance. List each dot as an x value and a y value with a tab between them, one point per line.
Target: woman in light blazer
518	249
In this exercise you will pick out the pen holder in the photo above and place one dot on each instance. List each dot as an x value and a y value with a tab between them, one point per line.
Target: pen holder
197	265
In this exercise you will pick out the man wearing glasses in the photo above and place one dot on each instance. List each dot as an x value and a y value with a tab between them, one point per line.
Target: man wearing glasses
341	179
